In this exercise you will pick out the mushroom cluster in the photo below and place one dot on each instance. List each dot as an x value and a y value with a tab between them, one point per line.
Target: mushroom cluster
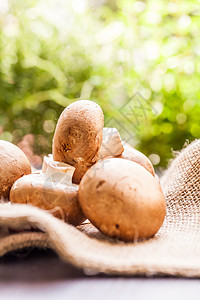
93	174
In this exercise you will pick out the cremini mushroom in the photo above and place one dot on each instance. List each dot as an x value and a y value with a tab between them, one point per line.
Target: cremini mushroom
122	199
111	146
132	154
13	165
111	143
78	136
52	191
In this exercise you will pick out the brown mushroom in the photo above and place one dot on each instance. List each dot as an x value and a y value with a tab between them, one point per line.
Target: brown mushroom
122	199
78	136
132	154
52	191
13	165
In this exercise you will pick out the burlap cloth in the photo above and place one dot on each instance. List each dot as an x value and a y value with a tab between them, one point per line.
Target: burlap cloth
175	250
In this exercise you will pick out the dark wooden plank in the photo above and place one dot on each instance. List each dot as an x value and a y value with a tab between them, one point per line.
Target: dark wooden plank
42	275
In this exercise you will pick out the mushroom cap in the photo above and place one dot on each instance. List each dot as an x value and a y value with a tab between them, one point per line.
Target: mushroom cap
78	136
122	199
132	154
13	165
42	191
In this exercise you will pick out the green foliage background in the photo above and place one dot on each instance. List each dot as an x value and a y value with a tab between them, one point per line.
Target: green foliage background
55	52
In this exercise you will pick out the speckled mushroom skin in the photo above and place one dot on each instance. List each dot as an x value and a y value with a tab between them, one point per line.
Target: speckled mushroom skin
122	199
78	136
13	165
59	199
132	154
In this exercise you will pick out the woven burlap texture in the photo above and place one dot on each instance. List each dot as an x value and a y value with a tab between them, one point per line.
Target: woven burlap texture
175	250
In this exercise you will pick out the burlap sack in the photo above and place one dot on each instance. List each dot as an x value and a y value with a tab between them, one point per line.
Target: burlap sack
175	250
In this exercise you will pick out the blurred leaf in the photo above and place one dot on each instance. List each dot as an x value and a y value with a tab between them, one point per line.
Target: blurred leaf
55	52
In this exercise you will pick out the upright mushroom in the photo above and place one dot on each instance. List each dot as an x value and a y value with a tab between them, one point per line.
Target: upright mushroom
78	136
13	165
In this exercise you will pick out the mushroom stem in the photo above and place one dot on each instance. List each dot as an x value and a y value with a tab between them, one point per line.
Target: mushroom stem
59	172
111	144
46	161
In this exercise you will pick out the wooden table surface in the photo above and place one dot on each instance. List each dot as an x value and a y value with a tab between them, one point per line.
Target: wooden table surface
40	274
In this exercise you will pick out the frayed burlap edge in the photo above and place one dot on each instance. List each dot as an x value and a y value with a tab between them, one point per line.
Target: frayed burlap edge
23	240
